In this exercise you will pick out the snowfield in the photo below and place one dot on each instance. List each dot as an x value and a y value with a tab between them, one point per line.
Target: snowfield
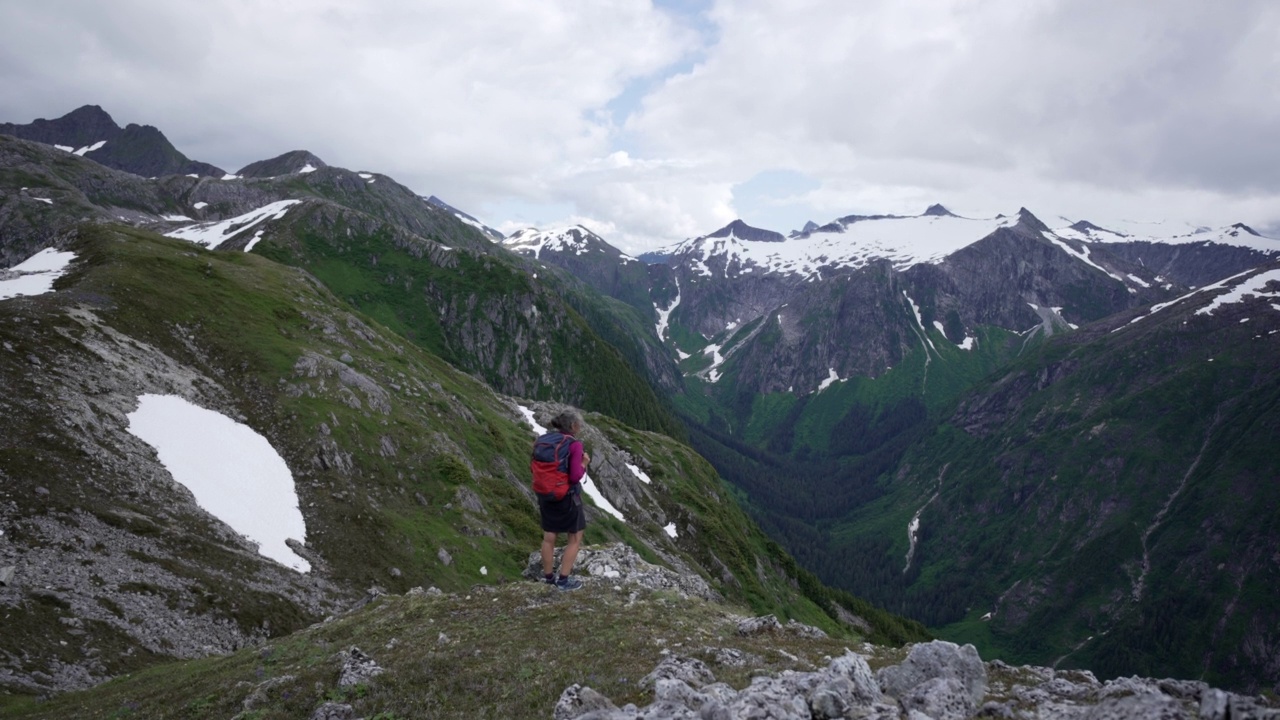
904	241
908	241
232	471
213	234
36	274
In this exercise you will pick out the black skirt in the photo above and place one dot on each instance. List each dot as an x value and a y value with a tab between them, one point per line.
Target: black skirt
563	516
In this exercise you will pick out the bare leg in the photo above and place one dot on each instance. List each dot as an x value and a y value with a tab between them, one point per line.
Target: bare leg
570	553
549	551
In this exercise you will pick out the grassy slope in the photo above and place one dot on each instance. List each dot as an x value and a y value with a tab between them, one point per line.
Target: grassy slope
503	651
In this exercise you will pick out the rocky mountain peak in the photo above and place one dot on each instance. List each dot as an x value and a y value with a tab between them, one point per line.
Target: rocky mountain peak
1030	221
79	128
937	210
1246	228
743	231
294	161
1086	227
90	132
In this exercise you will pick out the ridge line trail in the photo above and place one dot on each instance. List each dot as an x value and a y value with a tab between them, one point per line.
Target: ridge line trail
1139	585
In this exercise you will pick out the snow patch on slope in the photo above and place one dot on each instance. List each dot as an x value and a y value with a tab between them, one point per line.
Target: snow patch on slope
665	315
232	471
1227	291
36	274
214	234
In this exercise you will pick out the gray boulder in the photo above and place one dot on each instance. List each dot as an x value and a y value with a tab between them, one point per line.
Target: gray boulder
357	668
577	701
940	698
691	671
937	659
1146	706
334	711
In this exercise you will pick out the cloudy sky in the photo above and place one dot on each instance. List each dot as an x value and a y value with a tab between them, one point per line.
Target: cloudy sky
654	121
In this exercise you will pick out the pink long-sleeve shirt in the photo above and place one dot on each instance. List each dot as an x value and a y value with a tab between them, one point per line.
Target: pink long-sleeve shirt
576	468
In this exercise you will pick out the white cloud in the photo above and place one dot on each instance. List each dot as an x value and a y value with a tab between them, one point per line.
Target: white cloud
1088	107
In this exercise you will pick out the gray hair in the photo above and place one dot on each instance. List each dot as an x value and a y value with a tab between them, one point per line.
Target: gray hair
567	421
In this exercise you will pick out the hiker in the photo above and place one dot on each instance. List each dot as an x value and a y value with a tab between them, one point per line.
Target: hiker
558	465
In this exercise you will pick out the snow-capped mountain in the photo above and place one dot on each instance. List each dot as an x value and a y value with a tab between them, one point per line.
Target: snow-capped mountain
577	240
855	241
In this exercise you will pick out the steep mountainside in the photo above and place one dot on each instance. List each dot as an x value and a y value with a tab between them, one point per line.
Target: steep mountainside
588	257
407	472
90	132
1107	502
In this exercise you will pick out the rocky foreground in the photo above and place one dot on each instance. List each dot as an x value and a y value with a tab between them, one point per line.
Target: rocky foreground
938	680
637	641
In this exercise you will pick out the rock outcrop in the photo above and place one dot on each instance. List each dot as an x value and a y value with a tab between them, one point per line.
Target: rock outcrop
937	680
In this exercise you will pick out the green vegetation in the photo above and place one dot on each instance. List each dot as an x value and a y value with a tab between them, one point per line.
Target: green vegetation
503	651
481	312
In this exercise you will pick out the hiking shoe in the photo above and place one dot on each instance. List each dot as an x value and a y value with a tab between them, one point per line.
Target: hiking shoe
568	583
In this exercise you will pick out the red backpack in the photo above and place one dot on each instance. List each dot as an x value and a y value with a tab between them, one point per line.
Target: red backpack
550	465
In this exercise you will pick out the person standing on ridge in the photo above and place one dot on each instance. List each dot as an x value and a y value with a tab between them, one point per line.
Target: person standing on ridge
558	465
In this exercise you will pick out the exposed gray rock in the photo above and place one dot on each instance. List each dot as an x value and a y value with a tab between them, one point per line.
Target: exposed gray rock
937	659
759	625
854	668
444	556
467	498
692	671
621	564
1145	706
6	574
809	631
731	657
577	701
940	698
334	711
1220	705
357	668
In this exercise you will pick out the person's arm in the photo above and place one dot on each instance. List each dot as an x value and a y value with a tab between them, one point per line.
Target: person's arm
577	466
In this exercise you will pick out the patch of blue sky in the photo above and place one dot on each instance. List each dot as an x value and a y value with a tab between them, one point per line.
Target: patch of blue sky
690	14
774	200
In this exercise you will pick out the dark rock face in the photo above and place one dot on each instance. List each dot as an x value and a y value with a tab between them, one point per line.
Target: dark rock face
79	128
138	149
743	231
1187	265
292	162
